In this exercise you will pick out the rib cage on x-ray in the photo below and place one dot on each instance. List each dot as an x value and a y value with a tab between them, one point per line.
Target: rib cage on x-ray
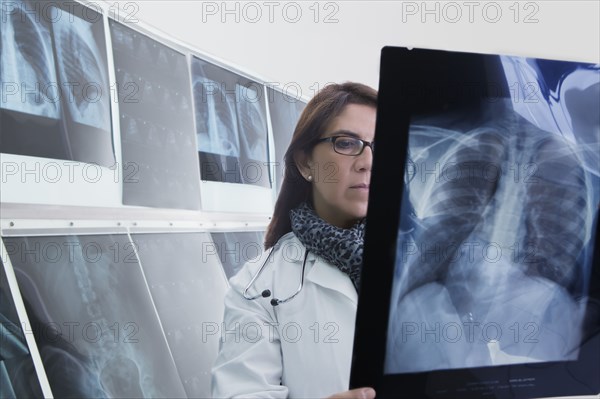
499	228
215	116
548	200
457	206
549	176
252	123
557	219
225	123
57	62
231	126
26	59
81	65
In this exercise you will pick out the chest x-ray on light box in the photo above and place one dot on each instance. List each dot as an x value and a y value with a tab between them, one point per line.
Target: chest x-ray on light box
231	126
498	219
55	88
493	288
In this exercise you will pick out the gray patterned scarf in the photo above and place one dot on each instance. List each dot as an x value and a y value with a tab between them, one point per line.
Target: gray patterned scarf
340	247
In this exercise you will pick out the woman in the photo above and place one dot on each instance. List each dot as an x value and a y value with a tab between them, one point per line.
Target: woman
278	340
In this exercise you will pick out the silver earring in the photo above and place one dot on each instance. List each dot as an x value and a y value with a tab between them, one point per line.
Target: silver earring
309	178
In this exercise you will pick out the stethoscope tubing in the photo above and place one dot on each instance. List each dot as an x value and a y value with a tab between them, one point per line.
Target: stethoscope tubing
267	293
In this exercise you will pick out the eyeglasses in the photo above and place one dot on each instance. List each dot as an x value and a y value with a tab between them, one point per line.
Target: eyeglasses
348	145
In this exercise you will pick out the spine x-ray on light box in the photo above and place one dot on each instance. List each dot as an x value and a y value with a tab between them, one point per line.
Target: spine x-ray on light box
188	285
231	126
156	118
55	91
284	111
492	288
93	319
17	374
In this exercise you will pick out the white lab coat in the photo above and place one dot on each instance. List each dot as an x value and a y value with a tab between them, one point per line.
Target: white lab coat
299	349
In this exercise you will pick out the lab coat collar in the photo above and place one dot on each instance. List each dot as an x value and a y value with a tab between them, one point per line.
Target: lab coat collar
329	276
321	272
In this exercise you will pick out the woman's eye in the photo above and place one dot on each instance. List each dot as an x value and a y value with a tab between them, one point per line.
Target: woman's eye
345	143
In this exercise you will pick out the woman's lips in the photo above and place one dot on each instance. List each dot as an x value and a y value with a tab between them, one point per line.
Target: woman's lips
361	186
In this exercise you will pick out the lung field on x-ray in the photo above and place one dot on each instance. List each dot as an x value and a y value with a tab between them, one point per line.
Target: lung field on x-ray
215	114
55	81
457	204
556	211
27	61
252	122
517	185
499	229
81	66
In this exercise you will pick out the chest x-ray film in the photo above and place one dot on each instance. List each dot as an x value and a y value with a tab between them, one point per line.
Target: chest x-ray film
157	126
231	126
55	90
494	284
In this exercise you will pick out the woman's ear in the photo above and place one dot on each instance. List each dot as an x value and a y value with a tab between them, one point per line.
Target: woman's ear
304	164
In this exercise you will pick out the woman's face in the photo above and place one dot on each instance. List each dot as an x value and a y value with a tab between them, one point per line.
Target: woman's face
341	182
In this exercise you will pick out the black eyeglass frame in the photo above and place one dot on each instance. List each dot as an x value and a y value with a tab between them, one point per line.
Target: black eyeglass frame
333	139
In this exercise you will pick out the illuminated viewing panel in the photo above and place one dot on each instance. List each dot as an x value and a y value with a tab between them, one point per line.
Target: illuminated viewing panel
188	285
493	281
55	87
92	316
231	126
156	119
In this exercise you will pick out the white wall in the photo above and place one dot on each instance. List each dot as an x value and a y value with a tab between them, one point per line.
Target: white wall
347	47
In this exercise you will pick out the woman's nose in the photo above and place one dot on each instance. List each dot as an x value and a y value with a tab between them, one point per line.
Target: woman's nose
364	161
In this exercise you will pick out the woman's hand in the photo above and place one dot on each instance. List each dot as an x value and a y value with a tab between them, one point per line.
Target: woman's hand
358	393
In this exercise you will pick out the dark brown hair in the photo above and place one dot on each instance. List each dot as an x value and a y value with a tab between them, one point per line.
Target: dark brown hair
318	114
